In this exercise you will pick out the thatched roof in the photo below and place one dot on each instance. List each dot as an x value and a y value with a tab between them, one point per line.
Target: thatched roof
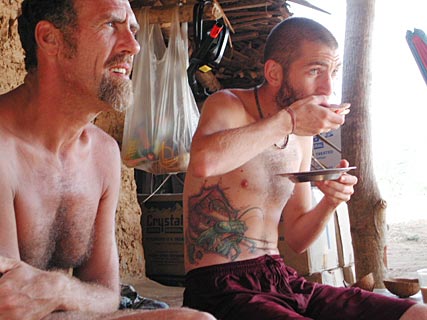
249	22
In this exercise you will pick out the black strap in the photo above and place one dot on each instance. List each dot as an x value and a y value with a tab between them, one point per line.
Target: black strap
286	140
257	103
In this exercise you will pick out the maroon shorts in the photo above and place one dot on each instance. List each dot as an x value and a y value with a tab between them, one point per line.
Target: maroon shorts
265	288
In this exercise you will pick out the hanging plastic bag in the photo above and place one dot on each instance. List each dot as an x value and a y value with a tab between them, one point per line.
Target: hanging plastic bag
161	122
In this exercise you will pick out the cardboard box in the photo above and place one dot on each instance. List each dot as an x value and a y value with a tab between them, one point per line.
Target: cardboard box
163	238
324	153
343	236
333	277
321	255
349	274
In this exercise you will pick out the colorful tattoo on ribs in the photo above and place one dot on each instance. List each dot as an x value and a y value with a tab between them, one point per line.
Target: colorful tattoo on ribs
215	226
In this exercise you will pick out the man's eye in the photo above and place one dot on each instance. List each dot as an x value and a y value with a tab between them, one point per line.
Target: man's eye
314	72
335	73
135	33
110	24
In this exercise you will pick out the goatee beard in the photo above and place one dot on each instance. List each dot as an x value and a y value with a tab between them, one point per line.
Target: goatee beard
117	93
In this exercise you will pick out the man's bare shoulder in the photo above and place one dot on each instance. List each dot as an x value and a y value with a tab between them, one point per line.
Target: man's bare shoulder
104	146
8	141
232	106
229	98
99	134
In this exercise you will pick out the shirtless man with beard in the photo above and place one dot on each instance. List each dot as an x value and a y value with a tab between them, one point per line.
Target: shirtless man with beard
60	174
233	196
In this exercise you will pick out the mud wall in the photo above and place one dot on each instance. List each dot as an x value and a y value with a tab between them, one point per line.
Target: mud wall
11	54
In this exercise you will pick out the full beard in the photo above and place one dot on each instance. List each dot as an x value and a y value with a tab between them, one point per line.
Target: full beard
287	95
118	93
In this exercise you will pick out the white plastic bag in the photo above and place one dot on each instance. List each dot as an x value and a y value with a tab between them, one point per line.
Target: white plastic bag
160	124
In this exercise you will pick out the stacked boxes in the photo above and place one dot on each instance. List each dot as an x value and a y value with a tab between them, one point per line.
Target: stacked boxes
163	238
324	152
344	243
321	255
330	259
329	157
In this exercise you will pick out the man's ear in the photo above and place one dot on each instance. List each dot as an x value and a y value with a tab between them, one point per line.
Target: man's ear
48	38
273	73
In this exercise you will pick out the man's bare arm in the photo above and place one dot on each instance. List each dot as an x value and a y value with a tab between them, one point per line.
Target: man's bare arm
302	223
225	130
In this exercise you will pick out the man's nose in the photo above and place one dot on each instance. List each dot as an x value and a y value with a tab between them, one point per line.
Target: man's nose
325	86
129	43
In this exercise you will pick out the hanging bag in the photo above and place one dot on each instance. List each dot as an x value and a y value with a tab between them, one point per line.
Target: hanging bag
161	122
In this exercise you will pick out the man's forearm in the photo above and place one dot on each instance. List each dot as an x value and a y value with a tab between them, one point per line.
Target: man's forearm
76	295
31	293
309	226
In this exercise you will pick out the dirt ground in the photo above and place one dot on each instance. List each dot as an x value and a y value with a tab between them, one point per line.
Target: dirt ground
406	248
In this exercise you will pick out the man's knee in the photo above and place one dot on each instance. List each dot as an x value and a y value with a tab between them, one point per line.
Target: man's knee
176	314
161	314
416	312
192	314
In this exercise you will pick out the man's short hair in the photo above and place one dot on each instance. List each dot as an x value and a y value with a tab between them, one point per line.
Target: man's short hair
286	38
61	13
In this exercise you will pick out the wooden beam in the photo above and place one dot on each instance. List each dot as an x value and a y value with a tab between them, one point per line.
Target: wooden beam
255	17
238	6
244	36
240	14
163	14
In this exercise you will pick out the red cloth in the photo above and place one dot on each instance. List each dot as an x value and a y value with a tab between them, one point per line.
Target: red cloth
417	42
265	288
421	49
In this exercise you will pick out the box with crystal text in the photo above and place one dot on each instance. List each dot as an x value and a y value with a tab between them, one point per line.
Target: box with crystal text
163	238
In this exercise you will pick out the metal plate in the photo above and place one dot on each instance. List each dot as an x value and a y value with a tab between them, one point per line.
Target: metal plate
316	175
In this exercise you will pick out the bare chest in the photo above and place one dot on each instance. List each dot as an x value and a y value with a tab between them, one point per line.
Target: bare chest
235	216
55	216
254	190
261	175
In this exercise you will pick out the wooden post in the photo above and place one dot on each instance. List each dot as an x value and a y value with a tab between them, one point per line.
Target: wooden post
366	208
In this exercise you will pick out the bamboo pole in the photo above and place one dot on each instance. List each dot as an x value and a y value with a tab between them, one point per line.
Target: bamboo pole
247	6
